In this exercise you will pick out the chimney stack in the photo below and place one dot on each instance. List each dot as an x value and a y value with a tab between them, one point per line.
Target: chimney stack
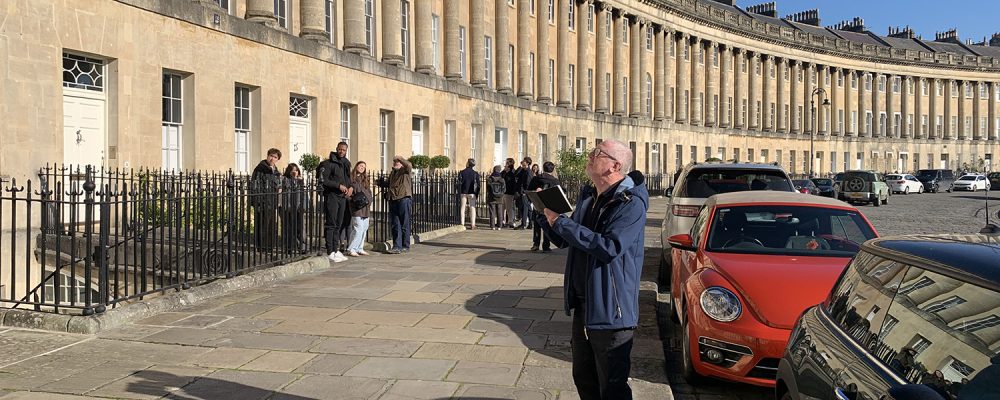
948	36
769	9
995	40
855	24
902	33
808	17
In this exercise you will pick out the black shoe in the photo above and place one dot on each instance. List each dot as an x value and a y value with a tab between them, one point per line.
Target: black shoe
404	250
534	248
393	251
546	250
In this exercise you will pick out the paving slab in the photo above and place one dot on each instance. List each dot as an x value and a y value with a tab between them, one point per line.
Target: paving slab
266	341
420	390
444	321
153	383
317	387
371	317
401	368
278	361
368	347
485	373
329	364
320	328
424	334
467	352
473	392
234	385
301	313
226	357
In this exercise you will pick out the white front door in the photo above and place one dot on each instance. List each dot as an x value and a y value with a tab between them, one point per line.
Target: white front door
299	138
83	128
499	146
418	136
171	147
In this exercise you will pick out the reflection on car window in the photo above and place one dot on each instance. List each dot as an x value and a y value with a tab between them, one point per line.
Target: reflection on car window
788	230
859	301
703	183
945	335
699	225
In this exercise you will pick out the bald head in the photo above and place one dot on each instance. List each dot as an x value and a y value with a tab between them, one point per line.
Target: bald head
620	151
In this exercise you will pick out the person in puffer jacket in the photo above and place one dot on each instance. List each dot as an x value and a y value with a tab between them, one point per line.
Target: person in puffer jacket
605	236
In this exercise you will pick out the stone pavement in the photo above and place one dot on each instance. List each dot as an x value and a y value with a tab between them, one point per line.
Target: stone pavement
472	315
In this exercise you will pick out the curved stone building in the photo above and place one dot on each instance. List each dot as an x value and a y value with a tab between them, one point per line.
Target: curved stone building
212	84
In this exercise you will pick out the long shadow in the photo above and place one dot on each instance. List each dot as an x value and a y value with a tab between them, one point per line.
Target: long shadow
994	197
460	246
155	383
507	318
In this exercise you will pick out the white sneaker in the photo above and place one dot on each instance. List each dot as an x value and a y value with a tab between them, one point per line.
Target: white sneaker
362	252
333	256
339	257
352	253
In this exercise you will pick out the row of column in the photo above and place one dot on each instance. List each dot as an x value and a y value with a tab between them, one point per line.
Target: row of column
701	91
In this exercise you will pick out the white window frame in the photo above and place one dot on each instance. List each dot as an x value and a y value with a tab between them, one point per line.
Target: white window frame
488	44
330	20
282	12
370	29
461	52
383	138
172	153
243	133
435	43
404	23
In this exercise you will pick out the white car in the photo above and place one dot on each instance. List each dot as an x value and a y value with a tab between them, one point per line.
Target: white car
904	183
971	183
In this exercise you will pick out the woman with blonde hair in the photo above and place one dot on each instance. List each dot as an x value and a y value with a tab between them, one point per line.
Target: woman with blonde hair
360	205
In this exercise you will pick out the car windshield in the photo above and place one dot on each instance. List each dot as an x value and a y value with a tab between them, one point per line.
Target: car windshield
823	182
839	176
802	182
994	175
928	174
967	178
865	176
893	177
788	230
705	182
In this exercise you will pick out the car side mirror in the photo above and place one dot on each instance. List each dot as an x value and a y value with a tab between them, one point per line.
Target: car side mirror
682	241
670	191
913	392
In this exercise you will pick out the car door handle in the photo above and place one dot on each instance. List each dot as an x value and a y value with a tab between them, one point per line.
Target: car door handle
839	394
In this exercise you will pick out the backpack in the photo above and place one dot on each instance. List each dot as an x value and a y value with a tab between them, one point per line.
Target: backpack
497	187
360	200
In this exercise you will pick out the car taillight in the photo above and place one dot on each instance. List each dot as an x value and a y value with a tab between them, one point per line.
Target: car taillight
900	182
685	211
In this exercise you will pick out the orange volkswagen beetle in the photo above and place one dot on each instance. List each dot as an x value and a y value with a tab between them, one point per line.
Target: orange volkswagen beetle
753	262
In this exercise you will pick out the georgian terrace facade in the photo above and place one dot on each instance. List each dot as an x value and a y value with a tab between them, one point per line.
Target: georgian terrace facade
212	84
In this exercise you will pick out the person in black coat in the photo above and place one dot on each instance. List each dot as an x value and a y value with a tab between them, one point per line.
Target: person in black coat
334	177
292	202
542	181
265	182
468	191
523	177
510	180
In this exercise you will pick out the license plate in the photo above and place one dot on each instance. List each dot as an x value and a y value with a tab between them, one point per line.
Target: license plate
857	195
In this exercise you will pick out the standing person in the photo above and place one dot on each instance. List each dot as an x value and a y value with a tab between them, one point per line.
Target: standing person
400	204
510	180
535	170
292	203
605	236
334	177
524	205
542	181
345	226
495	188
360	209
468	181
264	184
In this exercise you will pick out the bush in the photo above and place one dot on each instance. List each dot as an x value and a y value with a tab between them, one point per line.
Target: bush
572	166
309	162
438	162
420	161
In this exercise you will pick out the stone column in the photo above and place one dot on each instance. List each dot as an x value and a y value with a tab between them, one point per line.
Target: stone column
505	83
392	45
354	28
313	14
697	84
582	54
948	89
904	109
862	114
601	69
562	53
659	74
425	50
636	82
977	101
725	60
618	88
708	103
794	119
477	43
262	12
752	95
738	77
821	123
932	101
780	67
890	118
808	74
683	110
525	76
834	115
767	120
992	113
918	125
669	75
544	89
847	103
962	134
876	118
452	61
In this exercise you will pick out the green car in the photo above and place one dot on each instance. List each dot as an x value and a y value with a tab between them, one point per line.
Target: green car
864	187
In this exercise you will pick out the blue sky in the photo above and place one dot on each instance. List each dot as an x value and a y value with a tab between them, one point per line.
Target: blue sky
973	18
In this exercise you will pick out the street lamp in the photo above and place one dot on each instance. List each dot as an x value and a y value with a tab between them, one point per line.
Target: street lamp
820	94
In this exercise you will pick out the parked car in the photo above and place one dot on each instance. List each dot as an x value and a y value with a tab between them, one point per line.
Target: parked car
698	181
935	180
864	187
971	182
805	186
904	183
825	186
912	317
994	178
750	265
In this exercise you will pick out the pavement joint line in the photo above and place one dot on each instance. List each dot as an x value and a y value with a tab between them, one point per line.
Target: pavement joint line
48	352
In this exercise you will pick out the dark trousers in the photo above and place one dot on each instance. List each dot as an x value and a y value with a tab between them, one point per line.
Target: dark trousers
333	219
291	231
265	229
538	236
601	360
525	211
399	217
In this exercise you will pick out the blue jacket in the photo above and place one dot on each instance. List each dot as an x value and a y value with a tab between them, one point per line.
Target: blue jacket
615	249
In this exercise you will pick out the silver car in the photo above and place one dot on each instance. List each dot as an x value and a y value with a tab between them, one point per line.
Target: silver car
698	182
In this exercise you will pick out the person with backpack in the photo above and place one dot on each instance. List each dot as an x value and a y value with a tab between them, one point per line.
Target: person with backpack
360	209
542	181
468	181
496	187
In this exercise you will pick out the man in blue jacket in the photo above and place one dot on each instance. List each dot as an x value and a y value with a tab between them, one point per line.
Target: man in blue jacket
605	237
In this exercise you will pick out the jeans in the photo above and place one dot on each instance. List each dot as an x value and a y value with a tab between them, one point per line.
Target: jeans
538	236
399	216
525	210
508	208
333	218
470	200
359	231
601	360
496	214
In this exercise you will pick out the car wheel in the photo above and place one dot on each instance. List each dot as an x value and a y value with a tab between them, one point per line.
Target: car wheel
877	202
687	370
920	190
665	271
906	190
886	200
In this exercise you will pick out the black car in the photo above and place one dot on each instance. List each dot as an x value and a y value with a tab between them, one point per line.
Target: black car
935	180
912	317
825	186
994	178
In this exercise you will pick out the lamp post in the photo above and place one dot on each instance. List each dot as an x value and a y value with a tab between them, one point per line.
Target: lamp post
820	94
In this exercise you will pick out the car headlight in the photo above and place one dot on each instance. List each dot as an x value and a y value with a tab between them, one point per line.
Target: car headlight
720	304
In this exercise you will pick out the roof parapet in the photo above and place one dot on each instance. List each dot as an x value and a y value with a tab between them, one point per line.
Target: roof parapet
808	17
856	24
727	2
769	9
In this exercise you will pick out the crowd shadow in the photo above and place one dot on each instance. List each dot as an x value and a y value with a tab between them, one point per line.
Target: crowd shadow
155	383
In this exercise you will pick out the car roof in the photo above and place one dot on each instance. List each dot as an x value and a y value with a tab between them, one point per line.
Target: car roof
771	196
972	257
731	165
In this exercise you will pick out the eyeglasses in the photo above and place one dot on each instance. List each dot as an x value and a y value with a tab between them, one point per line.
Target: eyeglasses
597	152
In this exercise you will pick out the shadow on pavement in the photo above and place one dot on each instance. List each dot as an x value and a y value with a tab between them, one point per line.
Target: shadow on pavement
158	383
509	317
